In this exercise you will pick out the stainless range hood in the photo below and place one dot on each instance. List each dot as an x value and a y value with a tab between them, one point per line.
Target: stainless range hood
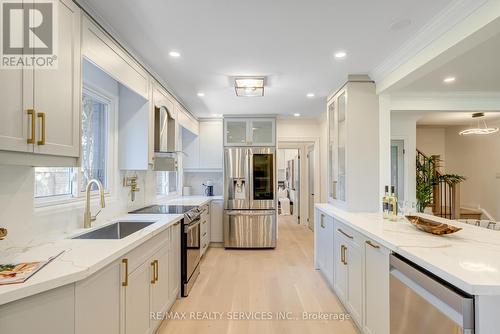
165	141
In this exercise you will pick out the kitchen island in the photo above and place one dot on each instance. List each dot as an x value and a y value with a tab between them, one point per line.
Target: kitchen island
468	260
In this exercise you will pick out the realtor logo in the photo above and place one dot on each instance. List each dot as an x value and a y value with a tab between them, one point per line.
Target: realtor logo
29	34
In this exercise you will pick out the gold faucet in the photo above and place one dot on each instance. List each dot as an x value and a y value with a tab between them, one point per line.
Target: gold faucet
3	233
131	181
87	217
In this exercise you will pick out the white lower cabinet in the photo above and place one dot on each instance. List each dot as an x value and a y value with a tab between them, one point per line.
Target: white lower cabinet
216	216
324	252
376	319
48	312
98	302
160	287
205	229
359	268
137	300
348	282
121	298
174	273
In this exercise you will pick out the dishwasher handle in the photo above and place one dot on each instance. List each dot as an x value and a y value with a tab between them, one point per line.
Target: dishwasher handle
443	296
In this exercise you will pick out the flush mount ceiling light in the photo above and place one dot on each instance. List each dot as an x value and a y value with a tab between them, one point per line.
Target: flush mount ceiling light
449	80
174	54
249	86
310	95
340	54
484	130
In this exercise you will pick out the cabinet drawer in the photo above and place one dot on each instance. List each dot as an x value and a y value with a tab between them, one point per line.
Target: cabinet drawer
348	233
141	254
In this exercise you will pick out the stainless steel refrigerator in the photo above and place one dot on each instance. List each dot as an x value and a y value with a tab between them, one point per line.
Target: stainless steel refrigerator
250	197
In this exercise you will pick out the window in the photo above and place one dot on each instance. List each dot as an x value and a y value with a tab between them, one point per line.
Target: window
64	182
166	183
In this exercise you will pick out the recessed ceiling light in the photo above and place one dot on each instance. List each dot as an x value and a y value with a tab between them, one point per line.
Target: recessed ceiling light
174	54
310	95
340	55
449	79
200	94
296	115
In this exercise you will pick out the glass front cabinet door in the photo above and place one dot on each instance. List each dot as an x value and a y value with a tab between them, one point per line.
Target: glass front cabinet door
336	108
249	132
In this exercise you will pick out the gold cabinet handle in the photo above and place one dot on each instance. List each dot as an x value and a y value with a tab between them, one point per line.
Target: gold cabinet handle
347	235
125	262
369	242
342	253
41	115
322	222
344	249
153	267
31	112
157	275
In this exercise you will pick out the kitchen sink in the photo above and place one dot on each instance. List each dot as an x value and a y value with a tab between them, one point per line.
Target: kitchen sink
118	230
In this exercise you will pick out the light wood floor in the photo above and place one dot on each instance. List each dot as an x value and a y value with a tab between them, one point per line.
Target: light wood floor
279	280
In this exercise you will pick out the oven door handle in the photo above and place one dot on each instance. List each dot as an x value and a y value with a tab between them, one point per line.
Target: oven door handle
192	225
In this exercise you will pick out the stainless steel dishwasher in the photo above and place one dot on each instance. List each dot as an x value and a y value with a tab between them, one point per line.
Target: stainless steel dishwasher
421	303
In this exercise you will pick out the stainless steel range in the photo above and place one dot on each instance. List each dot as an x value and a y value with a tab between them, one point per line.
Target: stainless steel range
190	240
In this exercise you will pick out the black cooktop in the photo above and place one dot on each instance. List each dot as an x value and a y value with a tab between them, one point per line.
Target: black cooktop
165	209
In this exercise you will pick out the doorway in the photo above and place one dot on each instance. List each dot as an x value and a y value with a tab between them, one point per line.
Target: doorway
397	168
289	184
310	192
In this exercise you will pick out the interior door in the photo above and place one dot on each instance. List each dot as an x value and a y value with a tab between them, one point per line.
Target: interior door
310	186
262	175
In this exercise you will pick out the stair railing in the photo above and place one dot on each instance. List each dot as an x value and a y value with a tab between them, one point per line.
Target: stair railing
445	195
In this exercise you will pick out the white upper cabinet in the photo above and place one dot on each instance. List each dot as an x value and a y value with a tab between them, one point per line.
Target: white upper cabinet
205	151
353	146
40	112
57	93
249	132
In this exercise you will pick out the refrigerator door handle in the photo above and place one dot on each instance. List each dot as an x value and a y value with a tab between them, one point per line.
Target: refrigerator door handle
250	177
251	213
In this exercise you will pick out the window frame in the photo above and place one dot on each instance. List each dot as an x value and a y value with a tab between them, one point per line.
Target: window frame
77	195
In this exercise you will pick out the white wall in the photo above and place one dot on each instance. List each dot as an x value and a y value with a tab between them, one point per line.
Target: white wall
478	159
431	141
404	127
195	180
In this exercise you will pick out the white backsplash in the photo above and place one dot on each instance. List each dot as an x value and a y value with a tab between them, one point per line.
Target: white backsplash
25	222
195	180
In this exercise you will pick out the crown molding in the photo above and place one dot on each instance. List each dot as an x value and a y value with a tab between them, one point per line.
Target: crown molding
456	101
445	20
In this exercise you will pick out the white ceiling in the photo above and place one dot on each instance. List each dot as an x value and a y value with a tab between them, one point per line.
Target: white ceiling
476	70
290	42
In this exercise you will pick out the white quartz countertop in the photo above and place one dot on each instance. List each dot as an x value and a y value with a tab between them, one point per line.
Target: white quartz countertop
193	200
81	257
468	259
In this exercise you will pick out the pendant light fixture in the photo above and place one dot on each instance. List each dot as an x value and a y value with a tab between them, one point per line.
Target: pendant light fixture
479	130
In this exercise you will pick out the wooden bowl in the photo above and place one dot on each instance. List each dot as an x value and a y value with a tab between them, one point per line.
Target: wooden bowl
432	227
